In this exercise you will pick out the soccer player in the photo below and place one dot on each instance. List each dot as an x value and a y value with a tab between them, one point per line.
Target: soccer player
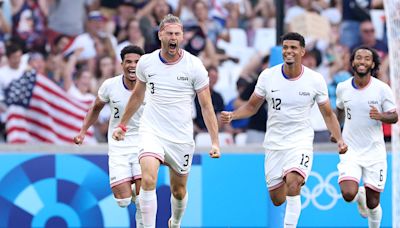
365	102
290	89
124	168
171	77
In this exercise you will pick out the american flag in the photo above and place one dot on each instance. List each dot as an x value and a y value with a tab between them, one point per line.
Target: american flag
41	111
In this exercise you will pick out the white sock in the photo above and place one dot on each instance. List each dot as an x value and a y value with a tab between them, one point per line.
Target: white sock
177	210
355	198
138	216
148	206
375	217
293	210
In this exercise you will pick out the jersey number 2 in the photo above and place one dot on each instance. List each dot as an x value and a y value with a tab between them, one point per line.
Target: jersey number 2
116	114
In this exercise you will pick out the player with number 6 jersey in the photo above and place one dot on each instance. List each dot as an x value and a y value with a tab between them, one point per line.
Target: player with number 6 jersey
365	103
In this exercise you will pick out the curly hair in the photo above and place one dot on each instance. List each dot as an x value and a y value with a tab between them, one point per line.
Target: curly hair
375	58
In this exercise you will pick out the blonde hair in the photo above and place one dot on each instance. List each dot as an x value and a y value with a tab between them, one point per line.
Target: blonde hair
170	19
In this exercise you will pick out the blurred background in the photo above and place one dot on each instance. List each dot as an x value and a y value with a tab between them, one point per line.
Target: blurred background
54	55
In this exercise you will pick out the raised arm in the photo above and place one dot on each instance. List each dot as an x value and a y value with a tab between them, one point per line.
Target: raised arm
332	123
210	119
246	110
132	106
90	119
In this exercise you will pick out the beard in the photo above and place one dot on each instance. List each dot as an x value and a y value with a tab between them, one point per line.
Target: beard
362	74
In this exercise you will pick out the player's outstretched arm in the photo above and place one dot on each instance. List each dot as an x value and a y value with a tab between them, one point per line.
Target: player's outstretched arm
210	119
332	123
246	110
132	106
90	119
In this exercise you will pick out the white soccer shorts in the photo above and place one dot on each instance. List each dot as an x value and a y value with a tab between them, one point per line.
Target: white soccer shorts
279	163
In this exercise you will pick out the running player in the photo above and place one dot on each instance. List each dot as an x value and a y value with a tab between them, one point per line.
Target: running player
366	103
124	168
172	78
290	89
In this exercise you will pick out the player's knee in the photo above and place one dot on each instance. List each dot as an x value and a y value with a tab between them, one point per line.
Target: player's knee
278	201
178	192
294	187
372	202
124	202
148	182
348	196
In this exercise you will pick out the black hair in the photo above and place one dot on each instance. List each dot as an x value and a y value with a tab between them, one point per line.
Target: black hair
294	36
131	49
12	48
316	54
375	58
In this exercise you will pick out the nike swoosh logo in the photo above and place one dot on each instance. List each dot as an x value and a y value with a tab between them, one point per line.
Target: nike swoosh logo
346	101
115	102
274	90
151	75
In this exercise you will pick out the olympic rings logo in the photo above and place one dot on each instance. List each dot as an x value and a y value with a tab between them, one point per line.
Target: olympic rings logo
323	186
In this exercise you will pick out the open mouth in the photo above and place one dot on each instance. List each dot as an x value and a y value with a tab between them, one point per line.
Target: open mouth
172	45
361	68
132	72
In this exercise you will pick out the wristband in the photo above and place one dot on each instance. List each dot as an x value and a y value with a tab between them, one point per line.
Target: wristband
123	127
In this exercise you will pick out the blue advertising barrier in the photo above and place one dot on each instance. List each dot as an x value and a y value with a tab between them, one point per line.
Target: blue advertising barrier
60	190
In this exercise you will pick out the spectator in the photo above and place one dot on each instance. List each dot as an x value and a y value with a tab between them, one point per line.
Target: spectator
61	21
256	128
210	27
313	59
237	126
217	101
134	36
95	41
125	12
353	13
29	23
11	71
4	31
37	61
105	69
14	67
368	38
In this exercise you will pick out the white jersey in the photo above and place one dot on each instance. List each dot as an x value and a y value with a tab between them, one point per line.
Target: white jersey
362	134
171	88
289	106
116	94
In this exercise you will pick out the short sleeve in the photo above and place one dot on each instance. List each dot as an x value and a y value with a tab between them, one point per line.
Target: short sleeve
388	103
140	74
260	89
104	91
339	96
321	90
200	75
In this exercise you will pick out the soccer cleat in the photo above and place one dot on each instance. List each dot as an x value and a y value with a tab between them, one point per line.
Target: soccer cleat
362	202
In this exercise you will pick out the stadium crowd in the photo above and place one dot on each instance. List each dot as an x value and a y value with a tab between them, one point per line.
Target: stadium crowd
77	44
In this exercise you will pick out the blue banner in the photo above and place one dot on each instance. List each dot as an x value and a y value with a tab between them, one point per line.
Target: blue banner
41	190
